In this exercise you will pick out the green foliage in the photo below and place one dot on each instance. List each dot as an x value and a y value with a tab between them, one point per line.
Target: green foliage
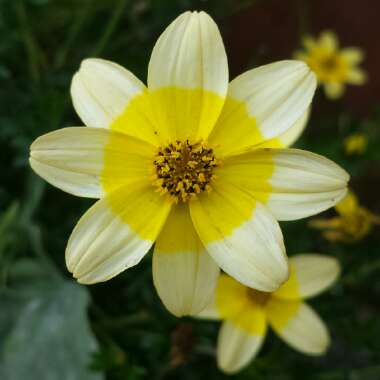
48	323
44	331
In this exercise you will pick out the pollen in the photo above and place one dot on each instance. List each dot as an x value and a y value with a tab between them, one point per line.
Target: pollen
184	169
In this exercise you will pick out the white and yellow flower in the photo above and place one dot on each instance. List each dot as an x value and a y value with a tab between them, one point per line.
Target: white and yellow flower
353	222
333	67
246	313
191	162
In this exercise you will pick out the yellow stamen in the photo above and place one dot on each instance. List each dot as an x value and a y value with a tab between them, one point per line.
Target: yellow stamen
184	169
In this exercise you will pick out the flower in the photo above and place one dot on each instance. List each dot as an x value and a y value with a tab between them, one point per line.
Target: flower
192	163
246	313
355	144
333	67
353	223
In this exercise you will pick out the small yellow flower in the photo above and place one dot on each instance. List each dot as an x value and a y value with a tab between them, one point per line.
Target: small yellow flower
246	313
353	223
190	162
355	144
333	67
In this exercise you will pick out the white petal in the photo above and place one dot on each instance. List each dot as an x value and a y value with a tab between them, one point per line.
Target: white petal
190	53
115	233
299	326
242	237
189	66
101	90
210	311
304	184
73	159
184	274
277	95
236	347
263	104
288	138
310	274
292	183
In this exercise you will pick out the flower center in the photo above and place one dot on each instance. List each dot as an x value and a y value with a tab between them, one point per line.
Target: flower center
330	63
184	169
258	297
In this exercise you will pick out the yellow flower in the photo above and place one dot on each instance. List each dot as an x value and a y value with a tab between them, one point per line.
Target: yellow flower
246	313
191	162
333	67
353	223
355	143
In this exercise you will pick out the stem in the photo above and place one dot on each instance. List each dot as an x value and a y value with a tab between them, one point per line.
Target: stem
31	46
76	27
110	27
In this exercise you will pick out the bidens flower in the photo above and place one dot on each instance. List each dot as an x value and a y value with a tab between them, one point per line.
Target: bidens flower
333	67
355	144
246	312
189	163
353	223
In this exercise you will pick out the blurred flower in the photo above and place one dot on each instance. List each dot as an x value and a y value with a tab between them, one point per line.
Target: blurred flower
189	162
333	67
246	312
353	223
355	144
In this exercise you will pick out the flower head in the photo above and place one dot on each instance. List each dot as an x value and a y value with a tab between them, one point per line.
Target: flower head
192	163
333	67
352	224
355	144
246	313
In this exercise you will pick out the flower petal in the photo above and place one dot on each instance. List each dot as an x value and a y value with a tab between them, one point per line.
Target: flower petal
188	77
349	205
242	237
210	311
263	104
309	42
184	274
352	55
233	302
107	95
289	137
328	41
89	161
115	233
292	183
237	347
334	90
356	76
101	90
299	326
310	274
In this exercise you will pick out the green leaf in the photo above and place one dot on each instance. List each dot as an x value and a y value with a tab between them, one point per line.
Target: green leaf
44	333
